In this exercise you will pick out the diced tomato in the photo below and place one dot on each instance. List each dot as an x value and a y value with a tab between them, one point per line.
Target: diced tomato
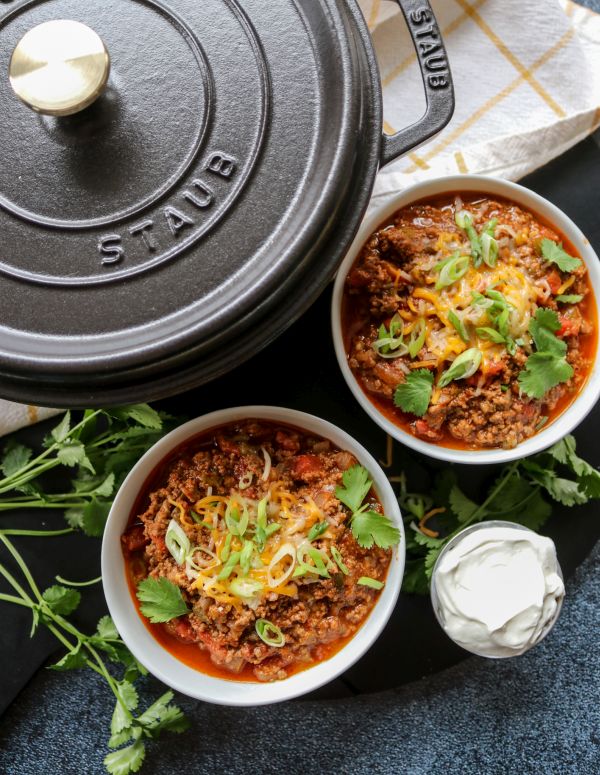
423	429
554	281
288	441
306	466
182	630
568	326
134	539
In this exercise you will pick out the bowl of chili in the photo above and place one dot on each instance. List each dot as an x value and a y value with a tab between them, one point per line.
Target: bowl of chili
252	555
464	320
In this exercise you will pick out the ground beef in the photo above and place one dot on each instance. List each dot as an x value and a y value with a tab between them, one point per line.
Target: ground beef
489	409
323	610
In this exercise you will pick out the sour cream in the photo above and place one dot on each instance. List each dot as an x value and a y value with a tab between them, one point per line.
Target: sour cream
497	589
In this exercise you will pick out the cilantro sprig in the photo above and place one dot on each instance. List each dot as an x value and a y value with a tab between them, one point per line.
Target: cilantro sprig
555	253
520	493
103	648
414	394
161	600
368	526
547	367
99	448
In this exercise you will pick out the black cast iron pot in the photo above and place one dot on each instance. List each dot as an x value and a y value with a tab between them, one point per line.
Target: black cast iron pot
175	227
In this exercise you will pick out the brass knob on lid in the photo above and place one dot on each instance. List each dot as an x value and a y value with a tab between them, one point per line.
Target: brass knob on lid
59	68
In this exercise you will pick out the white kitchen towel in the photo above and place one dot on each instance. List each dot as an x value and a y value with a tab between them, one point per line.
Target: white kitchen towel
527	79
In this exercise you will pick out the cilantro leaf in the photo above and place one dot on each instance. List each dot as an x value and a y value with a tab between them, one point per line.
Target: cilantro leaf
542	328
565	452
106	628
554	252
370	527
73	454
73	660
161	600
424	540
142	414
61	432
413	395
126	760
61	600
463	507
569	298
317	530
356	487
15	457
94	516
129	698
542	372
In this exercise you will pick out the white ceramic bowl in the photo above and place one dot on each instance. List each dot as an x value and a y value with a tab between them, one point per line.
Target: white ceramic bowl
588	396
193	682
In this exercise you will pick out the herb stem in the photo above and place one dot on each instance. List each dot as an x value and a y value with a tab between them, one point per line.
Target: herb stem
22	565
15	600
78	583
38	533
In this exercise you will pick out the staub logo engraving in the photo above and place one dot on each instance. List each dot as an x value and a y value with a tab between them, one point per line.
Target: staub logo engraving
176	218
429	48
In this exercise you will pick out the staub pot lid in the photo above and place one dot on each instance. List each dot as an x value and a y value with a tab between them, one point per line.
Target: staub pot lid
200	201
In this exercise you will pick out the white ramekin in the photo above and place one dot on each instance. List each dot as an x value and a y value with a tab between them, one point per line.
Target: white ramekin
588	396
192	682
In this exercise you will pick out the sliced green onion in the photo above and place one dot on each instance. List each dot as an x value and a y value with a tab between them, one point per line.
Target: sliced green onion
207	556
390	344
452	271
480	300
302	567
272	528
269	633
287	550
245	588
199	521
390	348
396	326
246	480
226	548
464	220
366	581
236	524
317	530
227	569
511	345
502	321
339	561
417	338
459	326
246	557
489	249
465	365
261	512
569	298
177	542
491	334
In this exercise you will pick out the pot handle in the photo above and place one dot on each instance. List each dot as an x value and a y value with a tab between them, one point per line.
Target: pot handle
437	80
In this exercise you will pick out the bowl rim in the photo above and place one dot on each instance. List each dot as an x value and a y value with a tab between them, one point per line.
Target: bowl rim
589	394
194	683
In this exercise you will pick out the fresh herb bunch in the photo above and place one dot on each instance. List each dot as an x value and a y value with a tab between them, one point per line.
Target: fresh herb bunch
518	494
99	449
